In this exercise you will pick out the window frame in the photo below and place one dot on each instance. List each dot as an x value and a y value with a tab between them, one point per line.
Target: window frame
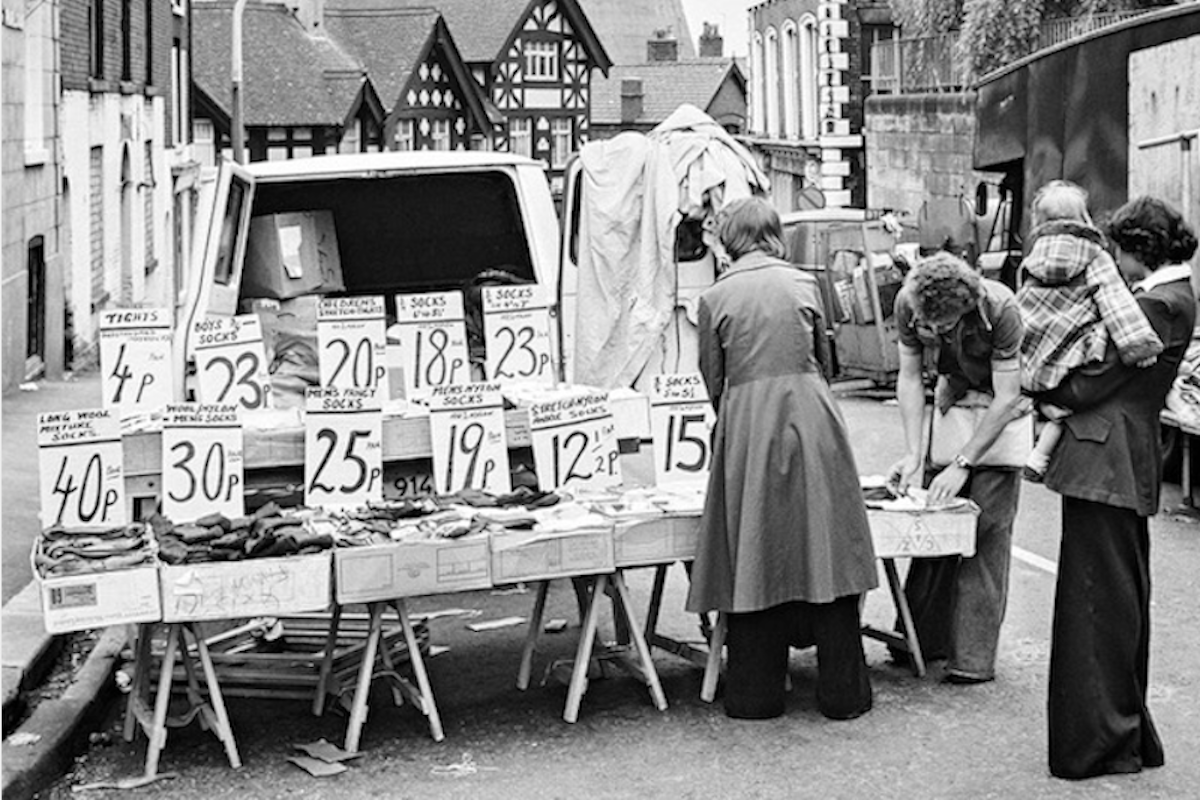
540	58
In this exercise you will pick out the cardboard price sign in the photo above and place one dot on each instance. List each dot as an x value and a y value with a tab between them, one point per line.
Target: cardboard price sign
343	447
135	359
516	327
470	450
231	364
681	426
203	465
433	341
81	468
575	442
352	338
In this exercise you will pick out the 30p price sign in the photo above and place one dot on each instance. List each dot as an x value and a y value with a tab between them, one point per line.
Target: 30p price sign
343	447
470	449
681	426
81	468
575	442
352	338
433	341
231	363
516	327
135	359
203	465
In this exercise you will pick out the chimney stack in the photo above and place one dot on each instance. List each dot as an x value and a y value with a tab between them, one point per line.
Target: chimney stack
663	47
311	14
712	44
631	100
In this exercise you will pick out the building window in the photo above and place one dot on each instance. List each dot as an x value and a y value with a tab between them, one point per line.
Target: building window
96	225
791	111
149	42
440	134
35	318
771	73
180	97
806	78
148	204
350	140
126	40
560	138
520	136
404	134
541	60
757	80
96	39
37	77
206	151
481	142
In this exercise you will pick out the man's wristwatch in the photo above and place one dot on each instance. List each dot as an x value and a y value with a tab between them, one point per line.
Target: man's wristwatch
962	461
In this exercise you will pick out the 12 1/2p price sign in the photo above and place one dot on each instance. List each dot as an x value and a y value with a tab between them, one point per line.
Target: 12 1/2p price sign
343	447
203	467
681	425
135	359
231	364
470	449
81	468
516	326
575	442
352	337
433	341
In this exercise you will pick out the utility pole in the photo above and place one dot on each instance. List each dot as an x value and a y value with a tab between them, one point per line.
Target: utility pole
239	131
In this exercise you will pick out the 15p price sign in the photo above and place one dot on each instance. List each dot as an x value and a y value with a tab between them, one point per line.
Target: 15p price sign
433	341
352	339
470	450
231	364
516	327
135	359
81	469
203	466
343	447
575	442
681	426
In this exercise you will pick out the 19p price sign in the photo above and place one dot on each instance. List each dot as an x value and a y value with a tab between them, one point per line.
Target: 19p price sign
681	426
203	466
433	341
470	449
135	359
575	442
231	363
352	340
516	327
343	447
81	469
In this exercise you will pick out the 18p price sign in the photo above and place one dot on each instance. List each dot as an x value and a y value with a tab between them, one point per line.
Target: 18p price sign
681	426
470	449
231	364
135	359
575	442
516	327
352	337
81	469
203	466
343	447
433	341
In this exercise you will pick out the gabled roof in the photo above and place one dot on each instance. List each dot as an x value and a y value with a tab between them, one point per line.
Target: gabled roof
665	86
624	26
388	39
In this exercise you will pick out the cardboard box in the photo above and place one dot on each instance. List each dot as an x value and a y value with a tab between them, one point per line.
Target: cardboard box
82	602
915	534
533	555
288	255
407	569
659	540
257	587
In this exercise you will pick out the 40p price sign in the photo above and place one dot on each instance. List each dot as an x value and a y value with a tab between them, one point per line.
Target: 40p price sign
203	465
433	341
470	449
575	442
352	337
81	469
516	327
343	447
681	426
135	359
231	364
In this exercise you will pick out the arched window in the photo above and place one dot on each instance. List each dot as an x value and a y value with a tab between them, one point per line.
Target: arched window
791	82
806	78
757	81
771	72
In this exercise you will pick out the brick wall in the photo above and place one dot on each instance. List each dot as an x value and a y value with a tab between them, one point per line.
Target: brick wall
76	43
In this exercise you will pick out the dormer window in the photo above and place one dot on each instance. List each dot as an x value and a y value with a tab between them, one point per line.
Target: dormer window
541	60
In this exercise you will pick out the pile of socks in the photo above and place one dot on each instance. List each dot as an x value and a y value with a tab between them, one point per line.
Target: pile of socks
62	551
269	531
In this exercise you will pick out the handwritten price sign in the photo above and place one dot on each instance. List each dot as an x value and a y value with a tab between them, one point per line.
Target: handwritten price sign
681	425
231	364
433	341
202	468
80	464
135	359
343	447
352	336
575	442
516	326
469	446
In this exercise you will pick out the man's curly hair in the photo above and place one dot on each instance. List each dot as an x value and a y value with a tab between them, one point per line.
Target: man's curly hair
1152	231
943	287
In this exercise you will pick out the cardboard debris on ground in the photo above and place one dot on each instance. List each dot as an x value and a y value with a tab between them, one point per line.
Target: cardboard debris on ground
316	767
519	588
555	626
436	650
493	624
325	751
125	783
448	612
24	738
461	769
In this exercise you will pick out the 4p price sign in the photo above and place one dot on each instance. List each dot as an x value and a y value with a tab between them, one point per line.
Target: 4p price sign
470	450
681	426
516	327
81	467
352	337
433	341
343	447
135	359
231	364
203	466
575	442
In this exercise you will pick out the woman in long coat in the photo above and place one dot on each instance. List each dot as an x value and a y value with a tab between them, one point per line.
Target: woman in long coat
785	551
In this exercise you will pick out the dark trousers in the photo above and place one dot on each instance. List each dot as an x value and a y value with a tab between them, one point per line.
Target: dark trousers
1100	645
758	645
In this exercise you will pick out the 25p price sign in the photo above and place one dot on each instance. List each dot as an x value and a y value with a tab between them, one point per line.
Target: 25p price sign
516	327
203	466
231	364
470	450
352	338
81	469
343	447
433	341
575	442
135	359
681	426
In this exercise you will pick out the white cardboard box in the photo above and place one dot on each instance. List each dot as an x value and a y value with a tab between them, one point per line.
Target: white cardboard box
407	569
659	540
256	587
81	602
916	534
533	555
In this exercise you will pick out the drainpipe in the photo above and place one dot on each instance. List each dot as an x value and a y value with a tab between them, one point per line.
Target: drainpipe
239	133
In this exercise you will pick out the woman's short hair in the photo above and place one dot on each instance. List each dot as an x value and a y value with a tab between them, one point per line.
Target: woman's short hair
943	286
1152	231
1060	199
750	224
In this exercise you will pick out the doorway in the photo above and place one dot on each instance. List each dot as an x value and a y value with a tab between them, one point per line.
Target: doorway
35	313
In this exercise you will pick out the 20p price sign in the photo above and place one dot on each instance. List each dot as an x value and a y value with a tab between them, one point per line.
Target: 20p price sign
231	363
352	337
575	442
516	327
433	341
203	466
135	359
81	469
470	450
681	425
343	447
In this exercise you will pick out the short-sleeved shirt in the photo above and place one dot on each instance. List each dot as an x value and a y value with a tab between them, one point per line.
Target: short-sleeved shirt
990	332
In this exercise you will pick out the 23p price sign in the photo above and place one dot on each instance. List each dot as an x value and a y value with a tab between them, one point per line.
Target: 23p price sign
203	466
516	327
135	359
352	337
231	364
575	442
81	469
343	447
433	341
681	425
470	450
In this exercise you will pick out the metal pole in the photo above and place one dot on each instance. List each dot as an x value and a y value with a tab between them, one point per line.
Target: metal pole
238	134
